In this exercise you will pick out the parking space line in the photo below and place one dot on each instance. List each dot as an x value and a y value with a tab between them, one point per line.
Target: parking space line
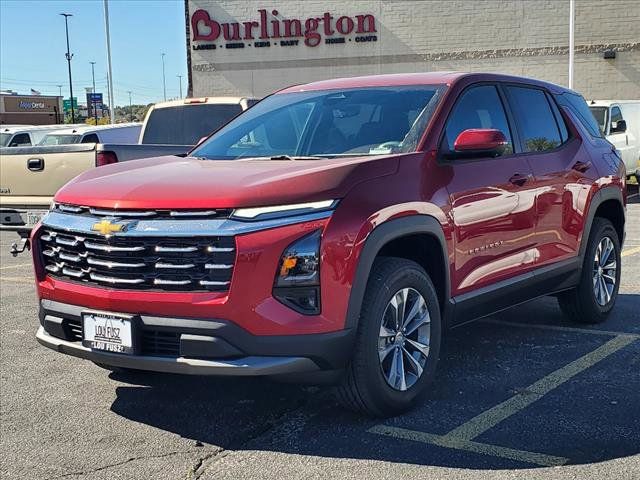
490	418
15	266
469	446
17	279
630	251
461	438
560	328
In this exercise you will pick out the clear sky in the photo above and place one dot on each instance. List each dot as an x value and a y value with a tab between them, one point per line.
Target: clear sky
33	47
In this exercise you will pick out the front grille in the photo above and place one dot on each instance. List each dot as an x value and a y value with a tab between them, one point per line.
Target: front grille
152	342
140	263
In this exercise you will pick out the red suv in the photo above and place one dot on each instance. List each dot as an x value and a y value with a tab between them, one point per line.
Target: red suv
332	231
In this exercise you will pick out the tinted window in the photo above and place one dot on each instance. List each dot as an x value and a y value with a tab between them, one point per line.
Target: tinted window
21	140
90	138
536	124
186	124
478	107
579	107
4	139
564	133
363	121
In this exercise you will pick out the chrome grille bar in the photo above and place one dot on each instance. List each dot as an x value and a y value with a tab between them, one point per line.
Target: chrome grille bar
141	263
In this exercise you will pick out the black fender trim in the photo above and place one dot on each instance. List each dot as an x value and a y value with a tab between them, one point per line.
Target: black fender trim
378	238
599	197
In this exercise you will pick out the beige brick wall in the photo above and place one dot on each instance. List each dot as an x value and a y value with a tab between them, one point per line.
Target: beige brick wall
523	37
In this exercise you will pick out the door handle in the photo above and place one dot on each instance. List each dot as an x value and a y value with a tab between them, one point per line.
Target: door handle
35	164
581	166
519	179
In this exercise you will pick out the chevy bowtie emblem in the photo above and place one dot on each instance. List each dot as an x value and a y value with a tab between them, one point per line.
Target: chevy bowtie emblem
105	227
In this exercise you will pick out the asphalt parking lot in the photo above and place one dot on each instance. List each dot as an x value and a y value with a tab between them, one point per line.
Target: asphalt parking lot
523	394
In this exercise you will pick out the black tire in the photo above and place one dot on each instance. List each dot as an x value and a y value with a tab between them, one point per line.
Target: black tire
364	388
579	304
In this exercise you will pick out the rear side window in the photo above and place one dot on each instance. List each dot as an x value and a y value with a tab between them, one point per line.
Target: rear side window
578	106
21	140
90	138
537	125
478	107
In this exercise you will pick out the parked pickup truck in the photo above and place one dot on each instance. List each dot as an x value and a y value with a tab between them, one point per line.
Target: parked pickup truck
333	231
30	176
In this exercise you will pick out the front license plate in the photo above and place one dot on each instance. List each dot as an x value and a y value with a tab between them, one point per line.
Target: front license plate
107	332
33	217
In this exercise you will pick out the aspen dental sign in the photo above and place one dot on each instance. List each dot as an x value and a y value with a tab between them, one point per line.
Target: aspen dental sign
275	31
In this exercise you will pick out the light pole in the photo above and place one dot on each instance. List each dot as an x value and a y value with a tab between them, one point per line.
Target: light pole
69	57
572	16
93	98
130	107
180	77
59	89
109	73
164	83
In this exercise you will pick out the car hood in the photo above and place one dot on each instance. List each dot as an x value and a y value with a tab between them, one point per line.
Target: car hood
175	182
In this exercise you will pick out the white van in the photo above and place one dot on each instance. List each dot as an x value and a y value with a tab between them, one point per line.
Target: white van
118	133
619	120
26	135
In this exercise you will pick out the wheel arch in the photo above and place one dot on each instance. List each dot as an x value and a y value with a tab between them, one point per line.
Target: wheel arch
606	203
385	239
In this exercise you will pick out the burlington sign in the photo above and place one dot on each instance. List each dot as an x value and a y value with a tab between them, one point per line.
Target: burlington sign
275	31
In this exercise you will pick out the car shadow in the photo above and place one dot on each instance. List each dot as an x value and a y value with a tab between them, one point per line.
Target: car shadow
594	416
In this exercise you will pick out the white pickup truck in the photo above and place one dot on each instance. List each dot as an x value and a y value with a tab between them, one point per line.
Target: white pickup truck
30	176
619	120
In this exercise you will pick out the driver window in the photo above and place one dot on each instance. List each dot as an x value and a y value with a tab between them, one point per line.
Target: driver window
478	107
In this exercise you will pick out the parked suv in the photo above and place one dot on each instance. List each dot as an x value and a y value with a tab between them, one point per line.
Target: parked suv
332	232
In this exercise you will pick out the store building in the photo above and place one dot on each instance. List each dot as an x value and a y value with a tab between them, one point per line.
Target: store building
247	47
30	109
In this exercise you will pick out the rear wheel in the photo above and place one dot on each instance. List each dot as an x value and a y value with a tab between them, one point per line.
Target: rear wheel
594	297
397	343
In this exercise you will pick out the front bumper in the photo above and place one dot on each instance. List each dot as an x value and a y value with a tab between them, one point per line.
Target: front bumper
198	346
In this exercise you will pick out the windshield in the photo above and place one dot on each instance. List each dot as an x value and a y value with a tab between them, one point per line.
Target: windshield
366	121
187	124
4	139
60	139
601	116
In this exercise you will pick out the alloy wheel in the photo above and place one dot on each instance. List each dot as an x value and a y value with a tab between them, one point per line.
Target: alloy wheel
403	343
604	271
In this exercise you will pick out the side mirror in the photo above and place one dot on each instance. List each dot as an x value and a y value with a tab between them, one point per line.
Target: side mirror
480	142
619	126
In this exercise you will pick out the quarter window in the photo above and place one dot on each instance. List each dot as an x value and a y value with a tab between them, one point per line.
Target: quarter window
478	107
21	140
536	123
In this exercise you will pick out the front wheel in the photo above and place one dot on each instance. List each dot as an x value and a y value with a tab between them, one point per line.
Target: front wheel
592	300
398	341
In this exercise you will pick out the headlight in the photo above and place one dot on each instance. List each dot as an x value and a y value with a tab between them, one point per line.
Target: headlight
297	282
265	213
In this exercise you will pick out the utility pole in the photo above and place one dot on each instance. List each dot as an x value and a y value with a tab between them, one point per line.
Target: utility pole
130	107
164	83
93	100
110	78
69	57
180	77
572	19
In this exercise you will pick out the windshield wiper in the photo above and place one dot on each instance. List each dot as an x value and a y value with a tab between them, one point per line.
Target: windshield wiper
289	157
